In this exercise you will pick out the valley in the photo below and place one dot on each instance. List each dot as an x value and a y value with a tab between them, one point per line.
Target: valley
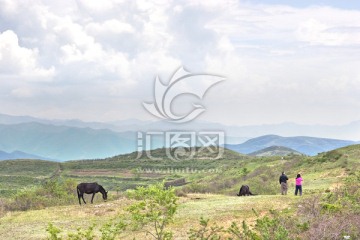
209	189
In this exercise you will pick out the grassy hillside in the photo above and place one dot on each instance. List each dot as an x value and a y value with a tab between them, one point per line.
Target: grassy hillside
126	171
202	173
21	174
222	209
210	189
116	174
275	151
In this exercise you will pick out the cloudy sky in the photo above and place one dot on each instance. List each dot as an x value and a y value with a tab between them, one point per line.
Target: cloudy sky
284	61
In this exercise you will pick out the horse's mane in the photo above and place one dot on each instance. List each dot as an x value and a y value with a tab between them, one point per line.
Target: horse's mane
102	188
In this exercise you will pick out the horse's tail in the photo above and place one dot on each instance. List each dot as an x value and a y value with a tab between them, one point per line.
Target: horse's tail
78	191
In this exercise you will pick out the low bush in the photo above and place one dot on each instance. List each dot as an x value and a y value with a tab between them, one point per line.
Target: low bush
334	214
49	193
269	227
109	231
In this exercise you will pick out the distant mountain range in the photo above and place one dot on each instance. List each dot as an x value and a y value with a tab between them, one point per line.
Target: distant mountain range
235	134
306	145
19	155
73	139
64	143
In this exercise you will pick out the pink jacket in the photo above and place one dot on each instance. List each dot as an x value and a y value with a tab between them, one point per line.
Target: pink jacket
298	181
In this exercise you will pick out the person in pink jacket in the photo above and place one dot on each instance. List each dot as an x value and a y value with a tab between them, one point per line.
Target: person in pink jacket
298	183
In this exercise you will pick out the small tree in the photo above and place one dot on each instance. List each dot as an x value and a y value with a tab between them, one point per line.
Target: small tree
154	209
206	232
244	171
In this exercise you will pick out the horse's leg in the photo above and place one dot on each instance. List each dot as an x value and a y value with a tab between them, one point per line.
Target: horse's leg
78	192
92	197
82	196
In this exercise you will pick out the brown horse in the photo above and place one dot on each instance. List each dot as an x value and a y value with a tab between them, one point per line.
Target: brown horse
90	188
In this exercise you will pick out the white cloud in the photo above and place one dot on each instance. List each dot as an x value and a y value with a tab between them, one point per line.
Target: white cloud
17	60
22	92
112	26
329	26
8	7
316	32
97	6
110	52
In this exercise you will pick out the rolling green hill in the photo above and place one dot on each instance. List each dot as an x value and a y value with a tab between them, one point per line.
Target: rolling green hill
202	172
16	175
210	189
275	151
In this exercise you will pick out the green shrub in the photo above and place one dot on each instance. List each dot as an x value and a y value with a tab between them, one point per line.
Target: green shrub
53	231
269	227
109	231
330	208
50	193
206	231
80	234
334	214
154	209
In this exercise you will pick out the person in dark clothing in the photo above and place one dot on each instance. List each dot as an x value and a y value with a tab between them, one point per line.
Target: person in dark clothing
283	182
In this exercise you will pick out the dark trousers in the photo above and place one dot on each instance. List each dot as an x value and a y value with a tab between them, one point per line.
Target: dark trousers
298	188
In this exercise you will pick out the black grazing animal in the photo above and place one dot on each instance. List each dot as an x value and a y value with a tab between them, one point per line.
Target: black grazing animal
244	191
90	188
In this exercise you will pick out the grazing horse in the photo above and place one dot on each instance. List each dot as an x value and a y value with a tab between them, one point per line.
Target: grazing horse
244	191
90	188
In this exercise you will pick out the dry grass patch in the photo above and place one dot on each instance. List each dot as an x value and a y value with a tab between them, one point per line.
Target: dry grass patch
218	208
32	224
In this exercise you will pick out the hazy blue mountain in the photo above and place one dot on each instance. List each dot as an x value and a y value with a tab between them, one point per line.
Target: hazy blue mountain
75	139
307	145
239	134
8	119
234	134
275	151
64	143
68	143
19	155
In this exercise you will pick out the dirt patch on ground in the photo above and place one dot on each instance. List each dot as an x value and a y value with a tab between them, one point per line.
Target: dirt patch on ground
118	173
93	172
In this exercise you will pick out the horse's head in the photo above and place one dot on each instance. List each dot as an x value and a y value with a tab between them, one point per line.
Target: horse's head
105	196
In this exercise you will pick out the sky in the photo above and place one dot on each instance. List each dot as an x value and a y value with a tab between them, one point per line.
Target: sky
283	61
